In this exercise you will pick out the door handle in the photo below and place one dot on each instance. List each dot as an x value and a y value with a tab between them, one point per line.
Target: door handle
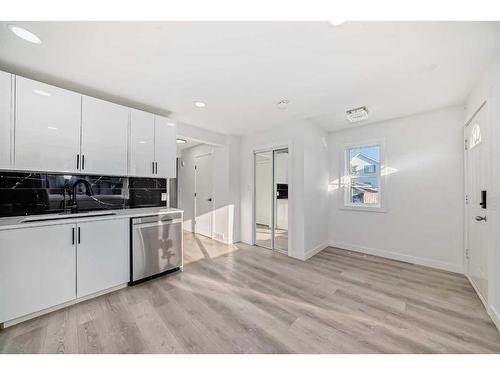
73	235
78	234
153	164
83	162
209	199
156	167
483	199
77	161
481	218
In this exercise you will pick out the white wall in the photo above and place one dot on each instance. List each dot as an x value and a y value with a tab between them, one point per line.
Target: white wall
225	188
488	89
423	223
316	177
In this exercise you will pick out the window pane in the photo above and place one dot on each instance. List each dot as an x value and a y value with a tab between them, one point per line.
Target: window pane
364	190
364	160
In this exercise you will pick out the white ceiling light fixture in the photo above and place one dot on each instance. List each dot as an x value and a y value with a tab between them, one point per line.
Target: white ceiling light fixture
283	103
337	22
171	123
41	92
24	34
181	141
357	114
200	104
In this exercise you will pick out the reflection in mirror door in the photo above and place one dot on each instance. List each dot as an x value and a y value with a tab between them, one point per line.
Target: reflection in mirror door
264	199
280	199
271	199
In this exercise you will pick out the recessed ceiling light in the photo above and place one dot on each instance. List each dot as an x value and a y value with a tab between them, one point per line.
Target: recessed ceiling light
283	103
357	114
41	92
200	104
336	22
24	34
181	141
171	123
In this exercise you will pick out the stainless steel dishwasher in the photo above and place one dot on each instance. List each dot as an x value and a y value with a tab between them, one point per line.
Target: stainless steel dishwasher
156	246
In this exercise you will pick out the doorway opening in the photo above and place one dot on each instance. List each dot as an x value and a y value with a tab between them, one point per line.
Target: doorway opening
195	186
271	228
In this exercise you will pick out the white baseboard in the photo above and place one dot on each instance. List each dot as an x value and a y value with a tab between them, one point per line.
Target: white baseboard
483	301
495	316
312	252
458	268
21	319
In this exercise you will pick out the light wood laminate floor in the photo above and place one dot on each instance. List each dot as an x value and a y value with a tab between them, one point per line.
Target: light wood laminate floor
245	299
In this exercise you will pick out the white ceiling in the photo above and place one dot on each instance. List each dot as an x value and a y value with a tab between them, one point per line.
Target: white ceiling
189	143
242	69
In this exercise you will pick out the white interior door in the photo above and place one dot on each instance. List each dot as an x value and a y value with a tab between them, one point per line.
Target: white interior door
204	205
477	169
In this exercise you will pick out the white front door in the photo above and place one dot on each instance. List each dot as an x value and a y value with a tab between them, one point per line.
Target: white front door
204	205
477	167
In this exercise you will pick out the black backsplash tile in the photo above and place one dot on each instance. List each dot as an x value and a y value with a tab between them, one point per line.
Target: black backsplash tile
32	193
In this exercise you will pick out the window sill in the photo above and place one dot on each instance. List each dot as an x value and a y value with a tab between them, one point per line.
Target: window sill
363	208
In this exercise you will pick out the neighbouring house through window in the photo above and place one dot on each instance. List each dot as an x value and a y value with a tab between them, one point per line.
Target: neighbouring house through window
363	176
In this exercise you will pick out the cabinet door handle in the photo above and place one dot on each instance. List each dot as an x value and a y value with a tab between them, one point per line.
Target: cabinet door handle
73	235
83	162
78	234
156	163
77	161
153	164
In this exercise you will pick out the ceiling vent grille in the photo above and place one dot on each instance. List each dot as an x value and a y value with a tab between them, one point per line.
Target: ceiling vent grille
357	114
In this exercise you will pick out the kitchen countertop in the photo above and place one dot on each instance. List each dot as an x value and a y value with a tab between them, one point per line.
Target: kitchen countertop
16	222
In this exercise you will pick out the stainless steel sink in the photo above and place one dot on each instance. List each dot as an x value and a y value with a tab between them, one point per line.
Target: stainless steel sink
65	215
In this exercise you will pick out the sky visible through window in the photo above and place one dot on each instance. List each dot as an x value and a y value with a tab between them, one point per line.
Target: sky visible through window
359	185
371	151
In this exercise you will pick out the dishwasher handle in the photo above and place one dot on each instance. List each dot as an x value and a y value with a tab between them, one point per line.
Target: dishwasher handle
166	218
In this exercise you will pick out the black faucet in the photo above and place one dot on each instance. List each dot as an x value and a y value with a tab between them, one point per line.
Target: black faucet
88	191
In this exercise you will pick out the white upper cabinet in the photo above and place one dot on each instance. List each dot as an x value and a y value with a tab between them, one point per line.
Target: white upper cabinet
142	142
165	147
57	130
47	129
104	137
5	119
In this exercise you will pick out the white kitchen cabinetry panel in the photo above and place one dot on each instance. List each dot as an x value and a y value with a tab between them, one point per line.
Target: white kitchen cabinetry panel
104	137
103	255
142	138
37	269
47	129
165	147
5	119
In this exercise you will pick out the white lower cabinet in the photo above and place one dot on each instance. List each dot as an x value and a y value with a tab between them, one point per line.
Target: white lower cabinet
42	267
37	269
103	255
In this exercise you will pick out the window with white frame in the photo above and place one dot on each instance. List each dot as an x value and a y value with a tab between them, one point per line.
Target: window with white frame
363	175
